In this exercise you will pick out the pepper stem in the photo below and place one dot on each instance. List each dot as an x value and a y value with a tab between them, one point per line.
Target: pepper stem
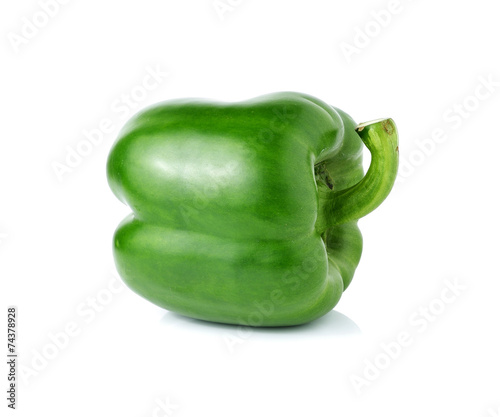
381	139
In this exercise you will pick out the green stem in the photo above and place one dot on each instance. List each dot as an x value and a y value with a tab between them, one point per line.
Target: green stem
381	138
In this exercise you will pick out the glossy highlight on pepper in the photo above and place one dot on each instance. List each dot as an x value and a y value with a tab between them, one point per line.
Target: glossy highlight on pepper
246	213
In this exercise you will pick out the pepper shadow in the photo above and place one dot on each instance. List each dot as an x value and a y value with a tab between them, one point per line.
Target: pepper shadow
331	324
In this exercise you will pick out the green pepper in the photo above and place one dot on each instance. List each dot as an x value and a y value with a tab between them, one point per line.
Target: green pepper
246	213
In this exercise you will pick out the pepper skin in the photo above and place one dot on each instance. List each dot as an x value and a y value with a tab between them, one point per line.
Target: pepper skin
246	213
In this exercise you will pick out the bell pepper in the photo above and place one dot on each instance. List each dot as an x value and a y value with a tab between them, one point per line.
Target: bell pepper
246	213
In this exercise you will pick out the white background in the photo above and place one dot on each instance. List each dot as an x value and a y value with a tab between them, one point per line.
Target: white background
62	75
